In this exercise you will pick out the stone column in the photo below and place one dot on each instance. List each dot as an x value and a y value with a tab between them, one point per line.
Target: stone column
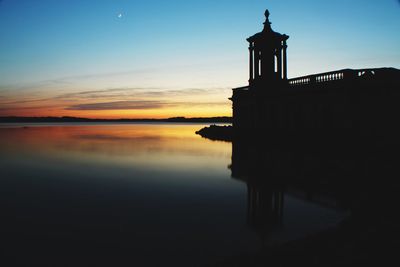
251	51
279	58
284	60
256	63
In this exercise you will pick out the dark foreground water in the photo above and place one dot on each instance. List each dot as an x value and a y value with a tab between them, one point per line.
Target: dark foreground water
137	195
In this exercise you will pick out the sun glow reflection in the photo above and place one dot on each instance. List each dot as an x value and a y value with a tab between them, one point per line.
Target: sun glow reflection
140	145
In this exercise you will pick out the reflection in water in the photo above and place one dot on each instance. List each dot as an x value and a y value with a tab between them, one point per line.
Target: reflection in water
272	176
290	177
140	194
151	144
265	208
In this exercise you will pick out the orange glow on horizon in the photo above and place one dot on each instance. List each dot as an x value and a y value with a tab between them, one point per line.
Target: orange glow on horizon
215	111
102	105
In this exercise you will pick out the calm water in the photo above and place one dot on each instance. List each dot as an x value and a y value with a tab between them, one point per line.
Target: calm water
145	194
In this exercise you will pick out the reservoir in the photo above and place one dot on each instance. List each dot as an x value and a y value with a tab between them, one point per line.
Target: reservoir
135	194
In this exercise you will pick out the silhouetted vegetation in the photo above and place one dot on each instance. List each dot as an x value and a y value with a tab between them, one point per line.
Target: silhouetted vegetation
218	133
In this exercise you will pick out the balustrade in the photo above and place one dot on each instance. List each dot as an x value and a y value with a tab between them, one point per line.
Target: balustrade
330	77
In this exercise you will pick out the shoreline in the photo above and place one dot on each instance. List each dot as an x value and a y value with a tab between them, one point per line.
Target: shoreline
12	119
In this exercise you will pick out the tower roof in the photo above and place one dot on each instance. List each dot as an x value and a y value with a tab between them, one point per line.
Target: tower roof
267	34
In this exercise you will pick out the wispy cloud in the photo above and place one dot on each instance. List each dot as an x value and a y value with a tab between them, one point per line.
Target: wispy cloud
70	81
119	105
138	92
69	101
16	108
141	105
104	93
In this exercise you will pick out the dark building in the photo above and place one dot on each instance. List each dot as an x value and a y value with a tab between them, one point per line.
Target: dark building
365	100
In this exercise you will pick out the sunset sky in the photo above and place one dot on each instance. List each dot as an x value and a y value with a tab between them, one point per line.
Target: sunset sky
159	58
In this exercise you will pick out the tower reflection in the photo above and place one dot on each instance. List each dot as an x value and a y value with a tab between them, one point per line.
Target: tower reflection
275	174
264	207
265	195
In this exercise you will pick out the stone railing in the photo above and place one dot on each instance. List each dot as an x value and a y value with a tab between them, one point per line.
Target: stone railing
320	78
345	75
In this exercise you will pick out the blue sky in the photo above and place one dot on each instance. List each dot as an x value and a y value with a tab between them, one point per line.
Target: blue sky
50	48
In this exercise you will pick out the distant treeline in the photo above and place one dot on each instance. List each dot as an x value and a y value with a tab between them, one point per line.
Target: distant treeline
75	119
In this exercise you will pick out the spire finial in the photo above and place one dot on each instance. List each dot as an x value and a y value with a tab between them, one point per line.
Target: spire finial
267	23
267	14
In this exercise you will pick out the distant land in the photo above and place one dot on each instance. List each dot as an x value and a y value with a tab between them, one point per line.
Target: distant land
13	119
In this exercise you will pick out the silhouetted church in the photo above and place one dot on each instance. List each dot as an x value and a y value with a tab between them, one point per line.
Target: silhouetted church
358	100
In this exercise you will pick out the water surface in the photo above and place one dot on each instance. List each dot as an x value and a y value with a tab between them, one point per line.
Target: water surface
126	194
